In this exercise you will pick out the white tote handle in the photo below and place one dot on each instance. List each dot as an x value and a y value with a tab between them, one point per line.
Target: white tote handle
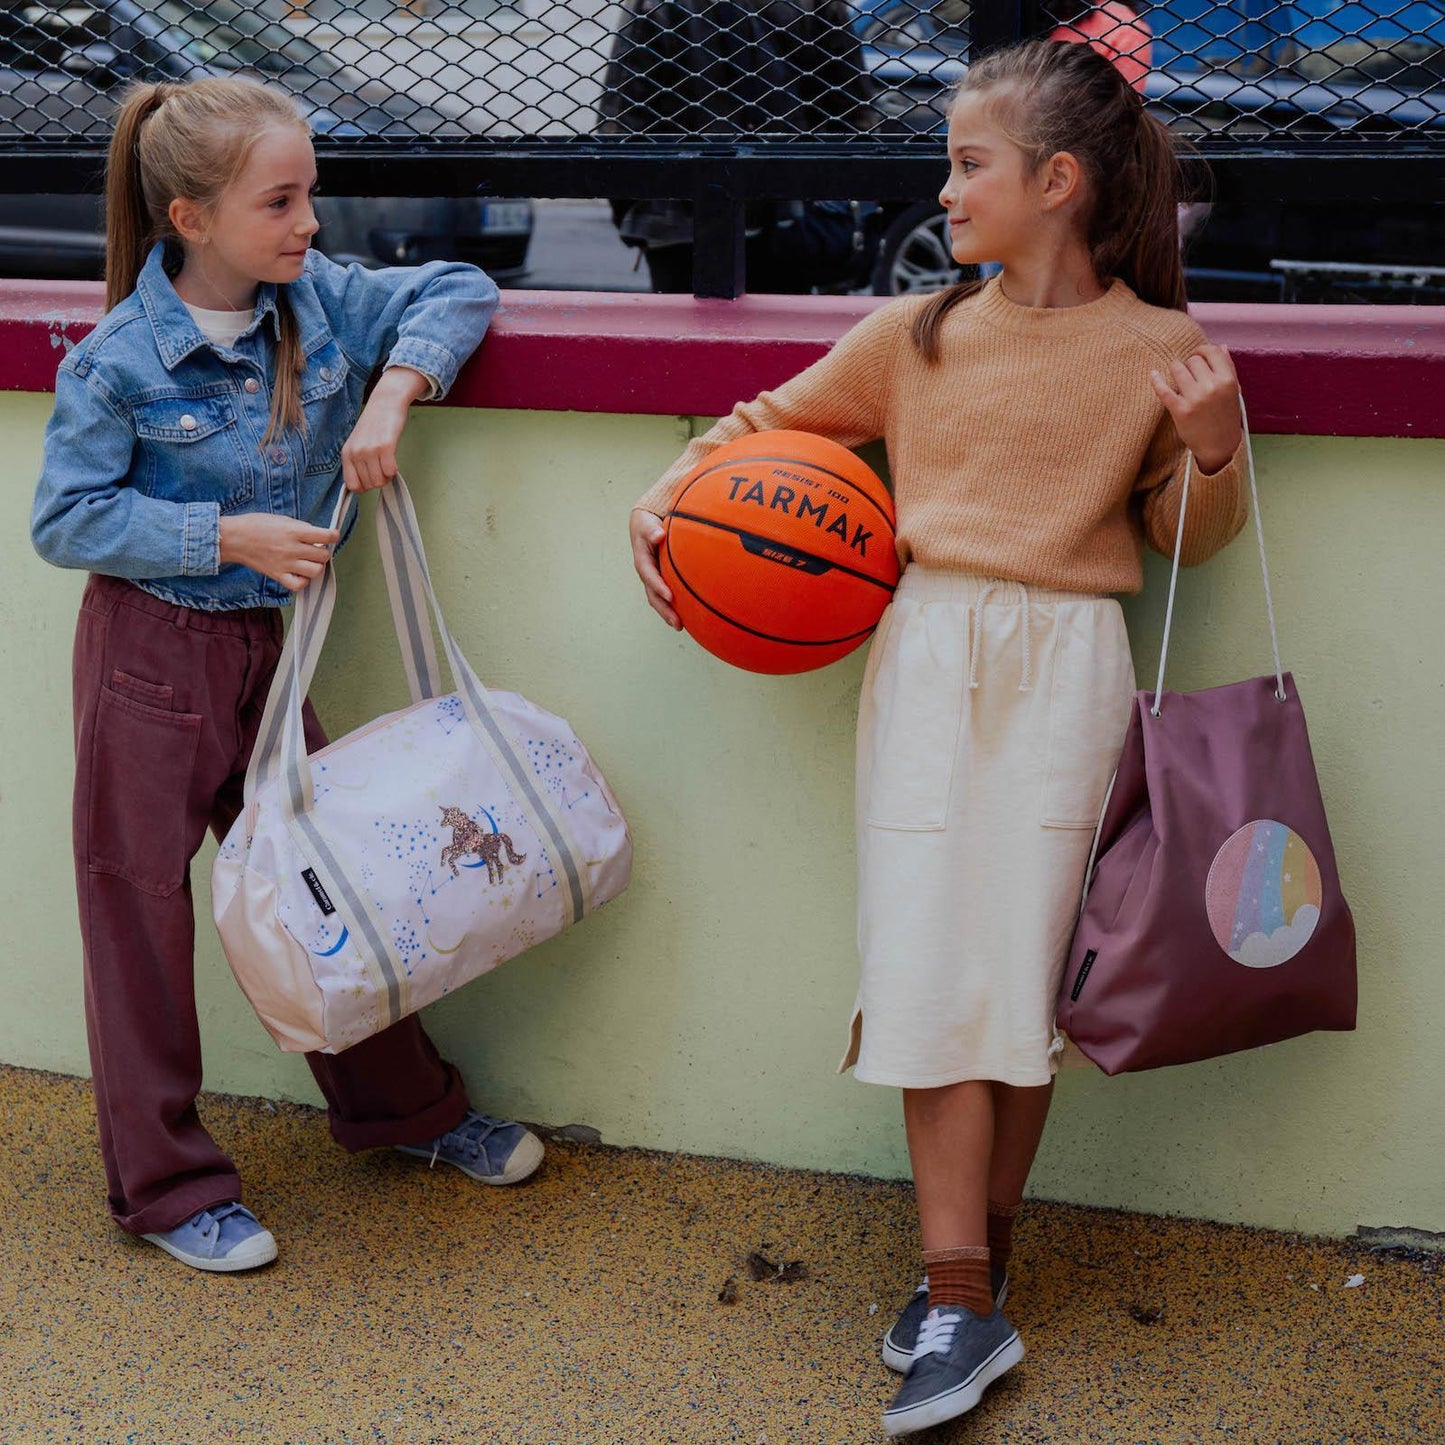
1263	566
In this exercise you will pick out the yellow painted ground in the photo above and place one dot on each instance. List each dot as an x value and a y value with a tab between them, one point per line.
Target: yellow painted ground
417	1308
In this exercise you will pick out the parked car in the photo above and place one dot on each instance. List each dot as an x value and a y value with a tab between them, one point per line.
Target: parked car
1289	69
62	61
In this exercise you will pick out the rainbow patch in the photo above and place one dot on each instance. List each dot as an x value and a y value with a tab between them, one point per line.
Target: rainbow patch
1263	895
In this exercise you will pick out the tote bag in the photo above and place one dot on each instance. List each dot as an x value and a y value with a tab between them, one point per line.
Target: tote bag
1212	919
416	853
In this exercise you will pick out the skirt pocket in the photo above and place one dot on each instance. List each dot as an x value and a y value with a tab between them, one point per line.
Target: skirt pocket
1090	697
912	715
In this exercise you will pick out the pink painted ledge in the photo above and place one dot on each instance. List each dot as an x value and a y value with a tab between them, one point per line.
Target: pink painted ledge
1307	370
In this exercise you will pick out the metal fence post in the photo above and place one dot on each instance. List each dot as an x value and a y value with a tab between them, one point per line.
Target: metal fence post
719	257
996	23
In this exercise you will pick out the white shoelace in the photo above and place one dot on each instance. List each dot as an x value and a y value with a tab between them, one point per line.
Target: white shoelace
936	1333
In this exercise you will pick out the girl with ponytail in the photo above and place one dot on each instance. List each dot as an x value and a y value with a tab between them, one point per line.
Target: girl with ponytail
1038	425
201	437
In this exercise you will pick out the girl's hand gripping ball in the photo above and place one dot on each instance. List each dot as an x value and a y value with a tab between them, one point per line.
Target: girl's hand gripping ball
777	554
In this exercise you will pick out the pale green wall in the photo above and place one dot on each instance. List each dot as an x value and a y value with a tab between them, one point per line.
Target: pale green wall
704	1011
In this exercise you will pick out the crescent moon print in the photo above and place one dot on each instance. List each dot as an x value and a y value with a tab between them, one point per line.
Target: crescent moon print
335	947
482	862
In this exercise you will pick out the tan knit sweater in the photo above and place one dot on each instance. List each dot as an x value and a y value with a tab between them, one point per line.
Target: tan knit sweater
1035	449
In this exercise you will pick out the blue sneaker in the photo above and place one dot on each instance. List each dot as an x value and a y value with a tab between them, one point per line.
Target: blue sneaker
223	1238
495	1151
958	1356
898	1343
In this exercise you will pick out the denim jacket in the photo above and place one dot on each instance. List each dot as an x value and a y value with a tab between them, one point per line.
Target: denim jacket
157	432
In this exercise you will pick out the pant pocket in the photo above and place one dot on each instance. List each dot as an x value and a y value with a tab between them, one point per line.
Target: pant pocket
914	711
142	759
1089	702
151	694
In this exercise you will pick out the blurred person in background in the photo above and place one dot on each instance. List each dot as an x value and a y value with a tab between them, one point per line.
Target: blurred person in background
696	69
1117	31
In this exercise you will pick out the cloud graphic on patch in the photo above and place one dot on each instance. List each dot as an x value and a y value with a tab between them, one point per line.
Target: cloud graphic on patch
1269	950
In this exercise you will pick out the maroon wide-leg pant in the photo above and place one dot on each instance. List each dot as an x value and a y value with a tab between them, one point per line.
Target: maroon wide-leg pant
168	701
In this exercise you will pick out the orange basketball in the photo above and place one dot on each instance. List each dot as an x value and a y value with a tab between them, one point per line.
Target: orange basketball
779	552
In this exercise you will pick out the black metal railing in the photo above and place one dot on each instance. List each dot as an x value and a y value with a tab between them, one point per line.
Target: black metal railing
731	107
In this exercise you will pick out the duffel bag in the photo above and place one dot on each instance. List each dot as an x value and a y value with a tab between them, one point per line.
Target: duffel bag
410	856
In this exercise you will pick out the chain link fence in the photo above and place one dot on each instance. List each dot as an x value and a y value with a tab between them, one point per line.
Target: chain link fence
876	72
728	104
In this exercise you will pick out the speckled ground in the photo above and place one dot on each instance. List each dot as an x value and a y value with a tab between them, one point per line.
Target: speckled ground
417	1308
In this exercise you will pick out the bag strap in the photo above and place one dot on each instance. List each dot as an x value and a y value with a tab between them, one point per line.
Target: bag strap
280	753
409	608
302	649
1263	565
399	537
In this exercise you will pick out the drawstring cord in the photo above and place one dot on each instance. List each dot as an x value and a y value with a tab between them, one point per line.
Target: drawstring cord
975	652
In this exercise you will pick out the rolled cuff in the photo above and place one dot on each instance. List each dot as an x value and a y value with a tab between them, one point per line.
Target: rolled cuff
434	362
201	540
435	386
354	1135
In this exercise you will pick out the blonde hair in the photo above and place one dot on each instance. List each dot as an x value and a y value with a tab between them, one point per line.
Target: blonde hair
190	142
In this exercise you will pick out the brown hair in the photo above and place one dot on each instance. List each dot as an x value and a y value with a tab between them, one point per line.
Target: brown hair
191	141
1047	96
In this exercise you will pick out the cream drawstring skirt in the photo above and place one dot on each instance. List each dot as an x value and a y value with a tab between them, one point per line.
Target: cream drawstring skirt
990	723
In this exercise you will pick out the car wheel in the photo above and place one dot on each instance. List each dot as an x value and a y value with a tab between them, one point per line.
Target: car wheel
914	254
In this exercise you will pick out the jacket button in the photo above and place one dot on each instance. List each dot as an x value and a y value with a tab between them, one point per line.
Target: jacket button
278	455
188	422
252	385
326	373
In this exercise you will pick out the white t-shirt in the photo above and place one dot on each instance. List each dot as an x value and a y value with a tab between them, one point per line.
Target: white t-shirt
221	328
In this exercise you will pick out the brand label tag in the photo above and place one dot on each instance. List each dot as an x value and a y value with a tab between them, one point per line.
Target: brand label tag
323	902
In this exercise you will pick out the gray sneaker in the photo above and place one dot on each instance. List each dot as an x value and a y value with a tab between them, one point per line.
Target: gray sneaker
898	1343
494	1151
958	1356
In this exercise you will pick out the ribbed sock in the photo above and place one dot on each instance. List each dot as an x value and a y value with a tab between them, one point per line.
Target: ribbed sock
1001	1231
959	1277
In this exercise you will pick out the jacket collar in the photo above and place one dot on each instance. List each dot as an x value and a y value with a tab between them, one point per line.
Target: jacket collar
176	333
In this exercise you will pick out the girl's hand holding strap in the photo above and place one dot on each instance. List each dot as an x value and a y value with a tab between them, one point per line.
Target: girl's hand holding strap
368	458
647	533
295	553
1201	394
287	551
